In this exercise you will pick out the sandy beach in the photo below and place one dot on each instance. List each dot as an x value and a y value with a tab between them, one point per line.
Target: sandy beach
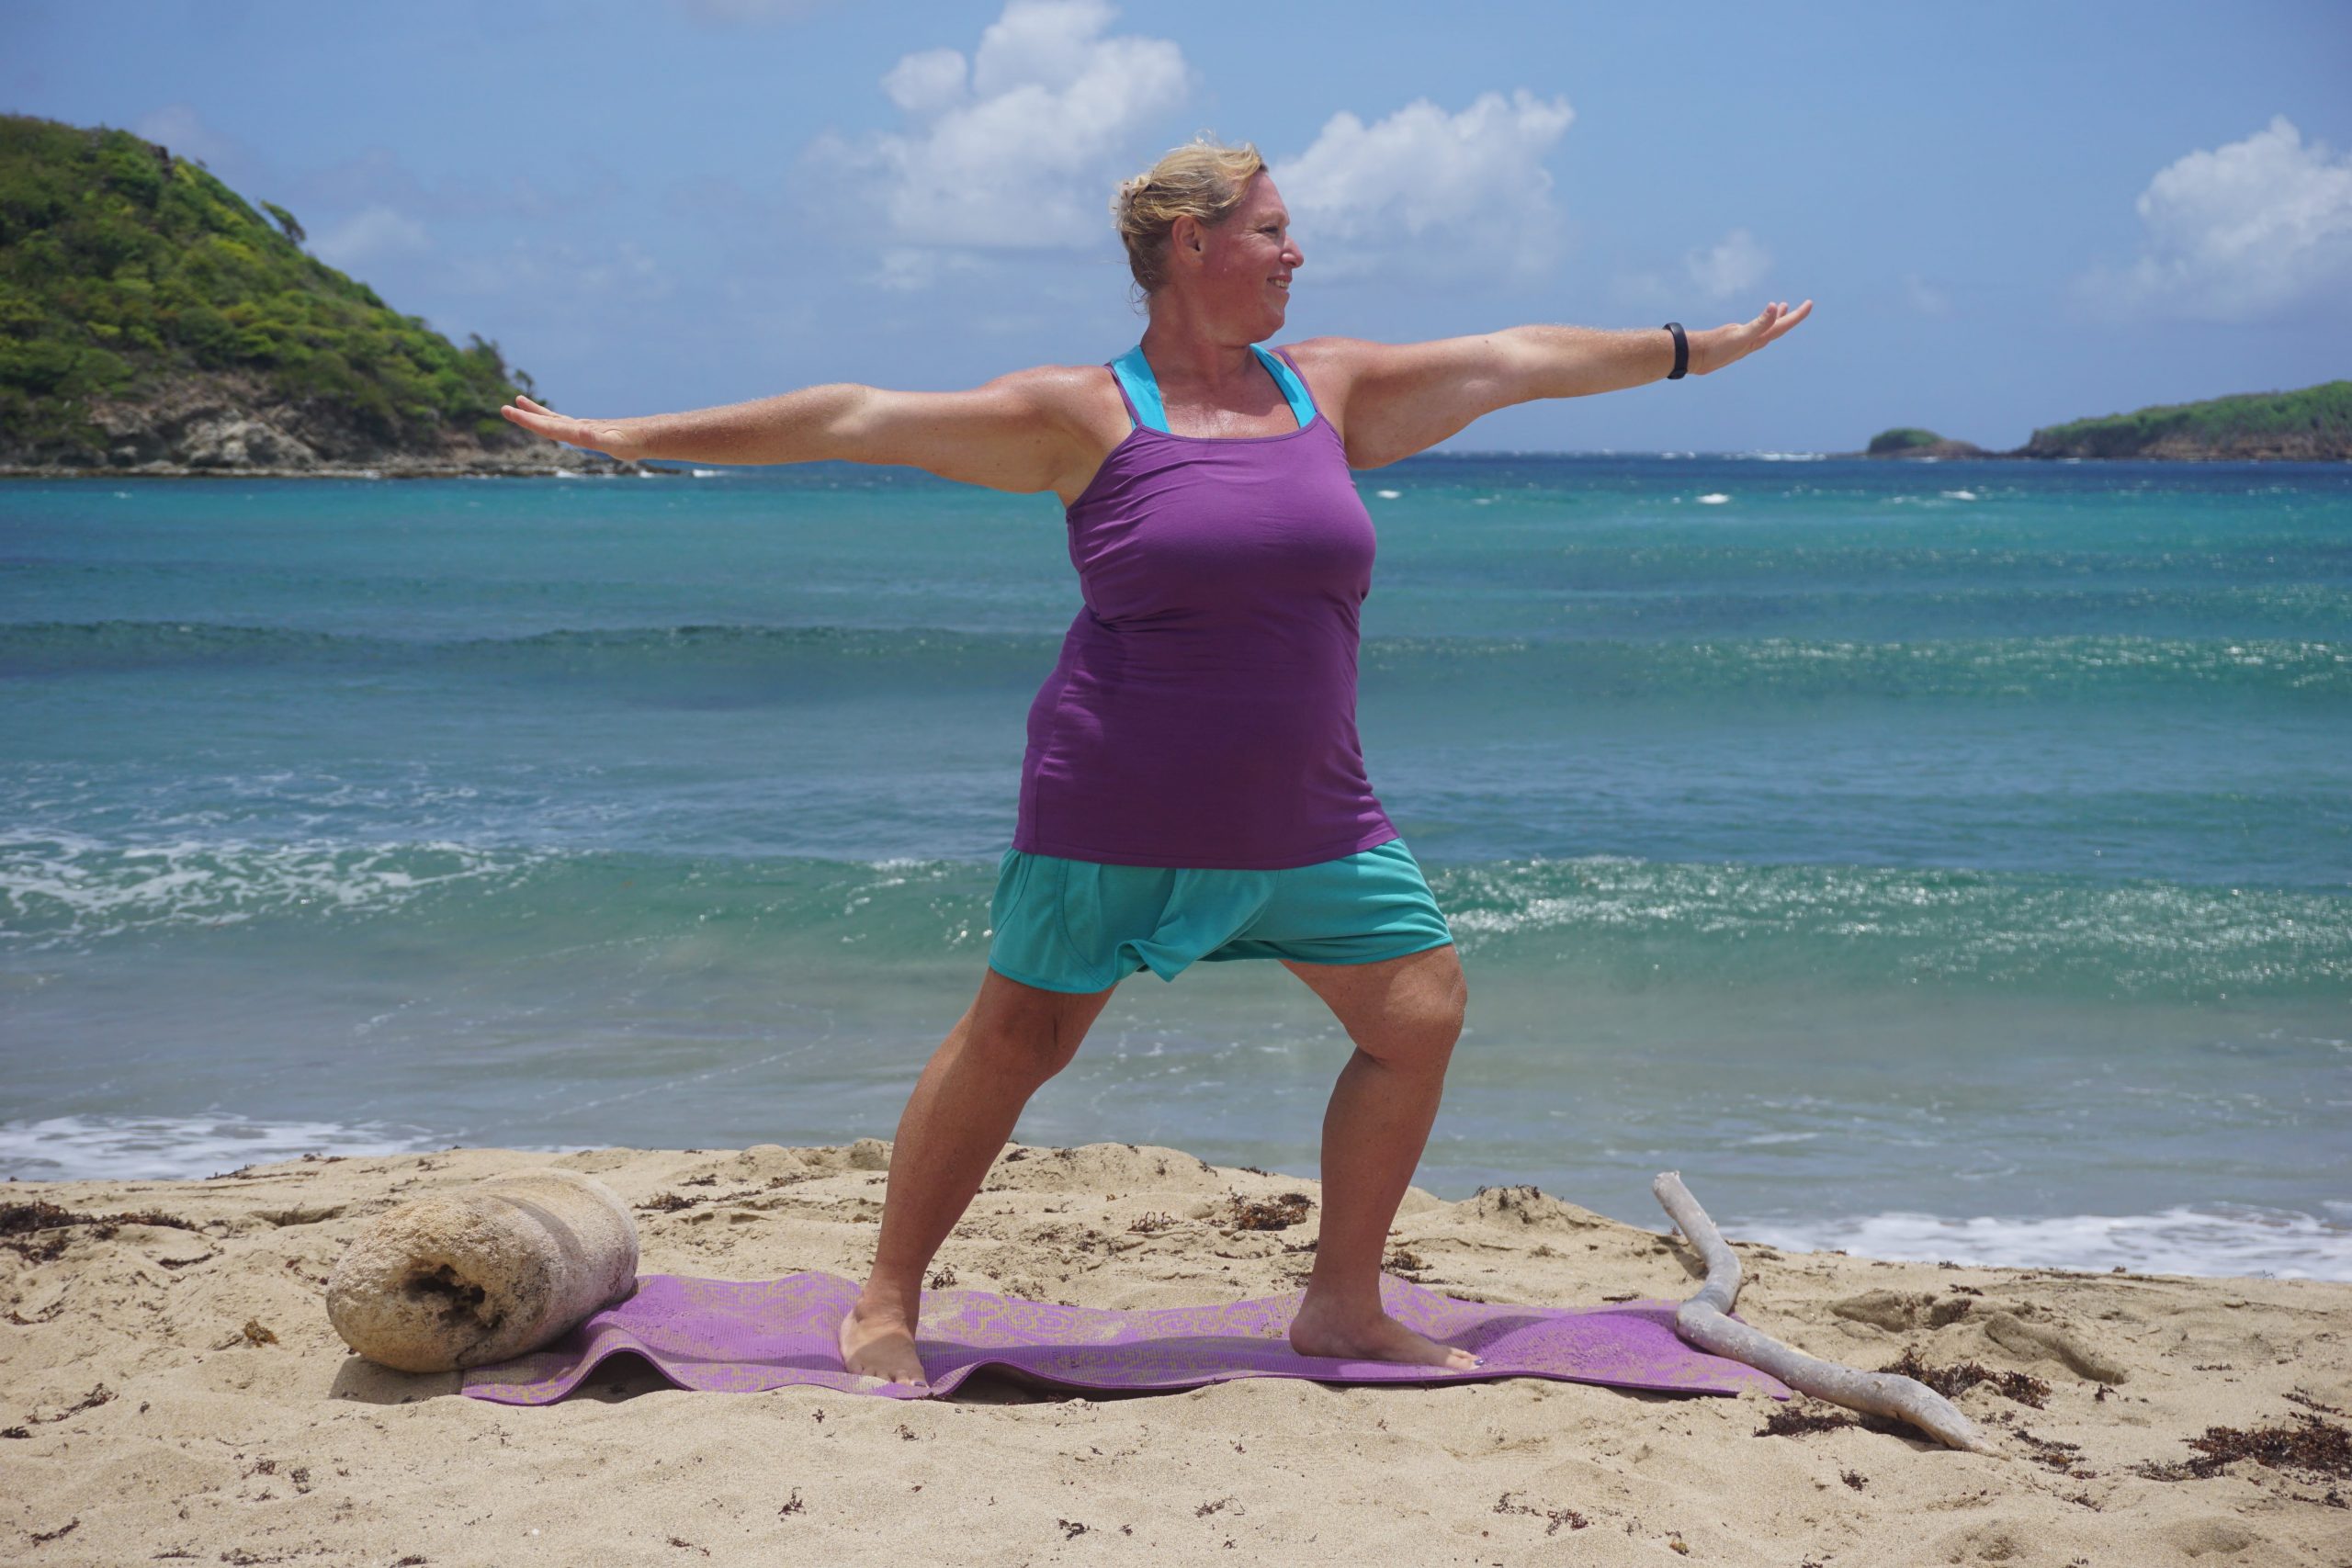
176	1390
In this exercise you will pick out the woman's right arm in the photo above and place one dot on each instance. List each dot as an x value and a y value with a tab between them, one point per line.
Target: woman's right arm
1015	433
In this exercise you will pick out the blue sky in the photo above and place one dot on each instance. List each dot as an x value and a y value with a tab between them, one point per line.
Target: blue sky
2007	215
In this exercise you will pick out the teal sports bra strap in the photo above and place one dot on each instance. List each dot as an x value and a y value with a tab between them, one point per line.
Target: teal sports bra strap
1302	407
1135	375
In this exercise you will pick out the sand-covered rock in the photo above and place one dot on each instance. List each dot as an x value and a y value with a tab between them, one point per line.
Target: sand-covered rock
483	1274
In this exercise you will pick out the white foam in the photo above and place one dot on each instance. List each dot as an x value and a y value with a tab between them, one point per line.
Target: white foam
1958	494
1715	499
2234	1240
182	1148
1388	494
63	888
706	473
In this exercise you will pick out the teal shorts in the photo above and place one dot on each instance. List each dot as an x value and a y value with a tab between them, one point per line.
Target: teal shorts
1077	925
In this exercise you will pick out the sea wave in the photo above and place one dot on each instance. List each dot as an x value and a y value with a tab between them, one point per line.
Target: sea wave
187	1149
66	890
1585	666
2234	1240
1640	922
1603	921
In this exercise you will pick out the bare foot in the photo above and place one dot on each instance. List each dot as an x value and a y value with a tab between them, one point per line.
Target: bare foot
1318	1330
881	1344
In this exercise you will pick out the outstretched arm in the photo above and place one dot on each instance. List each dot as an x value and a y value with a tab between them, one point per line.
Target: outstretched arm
1569	362
1399	399
795	427
1013	434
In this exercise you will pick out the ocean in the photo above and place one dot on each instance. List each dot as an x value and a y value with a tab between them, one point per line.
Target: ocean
1933	859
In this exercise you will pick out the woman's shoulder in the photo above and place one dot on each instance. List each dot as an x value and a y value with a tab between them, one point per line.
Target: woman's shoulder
1327	366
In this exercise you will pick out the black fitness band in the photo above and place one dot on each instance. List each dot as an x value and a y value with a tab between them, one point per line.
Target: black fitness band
1681	351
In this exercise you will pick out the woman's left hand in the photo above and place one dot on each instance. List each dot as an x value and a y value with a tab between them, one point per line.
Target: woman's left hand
1720	346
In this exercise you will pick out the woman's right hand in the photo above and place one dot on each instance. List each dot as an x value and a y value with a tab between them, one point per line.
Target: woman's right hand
613	437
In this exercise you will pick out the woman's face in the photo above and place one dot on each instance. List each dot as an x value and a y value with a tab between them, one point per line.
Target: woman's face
1241	269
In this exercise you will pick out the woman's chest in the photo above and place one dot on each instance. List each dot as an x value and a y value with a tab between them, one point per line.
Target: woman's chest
1198	533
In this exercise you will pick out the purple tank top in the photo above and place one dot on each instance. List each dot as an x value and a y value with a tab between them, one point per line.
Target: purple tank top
1202	712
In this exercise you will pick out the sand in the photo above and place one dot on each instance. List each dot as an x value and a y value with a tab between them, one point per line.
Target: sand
178	1393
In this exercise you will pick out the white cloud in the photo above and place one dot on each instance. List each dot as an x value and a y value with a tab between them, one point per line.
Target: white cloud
375	174
563	273
1425	191
1925	297
1733	264
181	130
2248	231
1021	149
369	235
927	85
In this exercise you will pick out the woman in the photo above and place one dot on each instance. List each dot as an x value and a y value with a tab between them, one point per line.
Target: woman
1193	787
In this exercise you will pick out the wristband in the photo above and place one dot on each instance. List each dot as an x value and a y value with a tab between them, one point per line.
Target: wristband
1681	351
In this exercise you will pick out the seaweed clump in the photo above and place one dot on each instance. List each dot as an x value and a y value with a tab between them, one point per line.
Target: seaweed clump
24	1220
2307	1445
2023	1387
1267	1213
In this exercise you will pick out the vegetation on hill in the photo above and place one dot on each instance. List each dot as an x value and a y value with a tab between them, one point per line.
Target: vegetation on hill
1902	439
122	268
2314	423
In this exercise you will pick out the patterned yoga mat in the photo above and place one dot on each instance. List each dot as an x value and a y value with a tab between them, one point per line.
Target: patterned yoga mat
745	1335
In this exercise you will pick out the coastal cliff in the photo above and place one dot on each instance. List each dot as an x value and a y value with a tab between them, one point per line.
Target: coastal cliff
2313	425
152	323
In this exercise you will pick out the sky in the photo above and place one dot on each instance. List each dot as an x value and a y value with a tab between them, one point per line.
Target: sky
2006	215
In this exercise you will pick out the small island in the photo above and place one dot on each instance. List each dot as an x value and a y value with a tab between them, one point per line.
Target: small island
2313	425
152	323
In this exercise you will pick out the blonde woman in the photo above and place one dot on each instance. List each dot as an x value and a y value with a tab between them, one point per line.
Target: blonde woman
1192	788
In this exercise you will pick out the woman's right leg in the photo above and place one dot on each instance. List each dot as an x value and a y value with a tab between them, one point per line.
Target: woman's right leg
1009	1042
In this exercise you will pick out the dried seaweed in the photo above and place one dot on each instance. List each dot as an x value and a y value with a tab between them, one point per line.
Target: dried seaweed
1266	1215
2308	1446
1791	1422
2023	1387
29	1218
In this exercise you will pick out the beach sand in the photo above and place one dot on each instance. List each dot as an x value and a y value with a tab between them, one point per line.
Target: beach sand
177	1393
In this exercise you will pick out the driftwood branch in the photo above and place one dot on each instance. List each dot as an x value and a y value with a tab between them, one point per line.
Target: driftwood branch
1704	1322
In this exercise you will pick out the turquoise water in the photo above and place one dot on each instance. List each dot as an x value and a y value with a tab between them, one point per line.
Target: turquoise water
1947	860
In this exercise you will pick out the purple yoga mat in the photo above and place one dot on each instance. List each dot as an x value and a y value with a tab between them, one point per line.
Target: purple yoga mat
743	1336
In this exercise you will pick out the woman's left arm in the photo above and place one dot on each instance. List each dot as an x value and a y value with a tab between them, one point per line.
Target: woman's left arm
1394	399
1570	361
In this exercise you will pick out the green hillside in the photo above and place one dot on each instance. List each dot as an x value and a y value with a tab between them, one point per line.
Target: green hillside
2315	421
123	269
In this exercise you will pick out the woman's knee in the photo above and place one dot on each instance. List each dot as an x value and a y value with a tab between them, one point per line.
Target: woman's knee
1421	1022
1030	1029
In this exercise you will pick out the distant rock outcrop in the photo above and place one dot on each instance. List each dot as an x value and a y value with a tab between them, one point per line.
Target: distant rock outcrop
152	323
1911	442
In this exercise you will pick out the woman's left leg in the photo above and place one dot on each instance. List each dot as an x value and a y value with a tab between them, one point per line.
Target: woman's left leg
1404	1015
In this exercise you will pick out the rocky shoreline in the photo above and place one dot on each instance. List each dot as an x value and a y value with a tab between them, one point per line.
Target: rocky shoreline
235	424
590	467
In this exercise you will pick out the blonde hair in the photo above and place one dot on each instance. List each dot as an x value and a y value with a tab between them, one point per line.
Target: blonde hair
1203	179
